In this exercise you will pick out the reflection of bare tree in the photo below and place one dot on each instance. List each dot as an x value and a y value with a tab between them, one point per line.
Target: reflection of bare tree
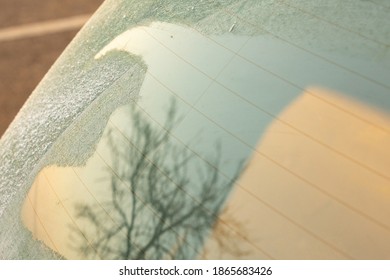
161	202
222	242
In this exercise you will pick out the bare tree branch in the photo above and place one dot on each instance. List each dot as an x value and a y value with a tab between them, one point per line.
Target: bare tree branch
162	201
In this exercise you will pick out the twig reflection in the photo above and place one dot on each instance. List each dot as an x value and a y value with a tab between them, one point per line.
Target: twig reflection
163	201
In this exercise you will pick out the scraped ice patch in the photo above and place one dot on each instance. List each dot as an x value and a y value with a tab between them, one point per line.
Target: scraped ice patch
211	76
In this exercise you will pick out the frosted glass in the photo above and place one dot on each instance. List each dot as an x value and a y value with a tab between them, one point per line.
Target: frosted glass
206	129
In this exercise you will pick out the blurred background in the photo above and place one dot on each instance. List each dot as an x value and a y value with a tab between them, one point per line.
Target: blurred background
32	35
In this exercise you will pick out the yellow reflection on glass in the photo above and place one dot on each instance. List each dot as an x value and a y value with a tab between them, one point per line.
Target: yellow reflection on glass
316	186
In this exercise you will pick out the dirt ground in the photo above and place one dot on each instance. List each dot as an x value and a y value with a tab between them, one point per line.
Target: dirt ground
25	60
